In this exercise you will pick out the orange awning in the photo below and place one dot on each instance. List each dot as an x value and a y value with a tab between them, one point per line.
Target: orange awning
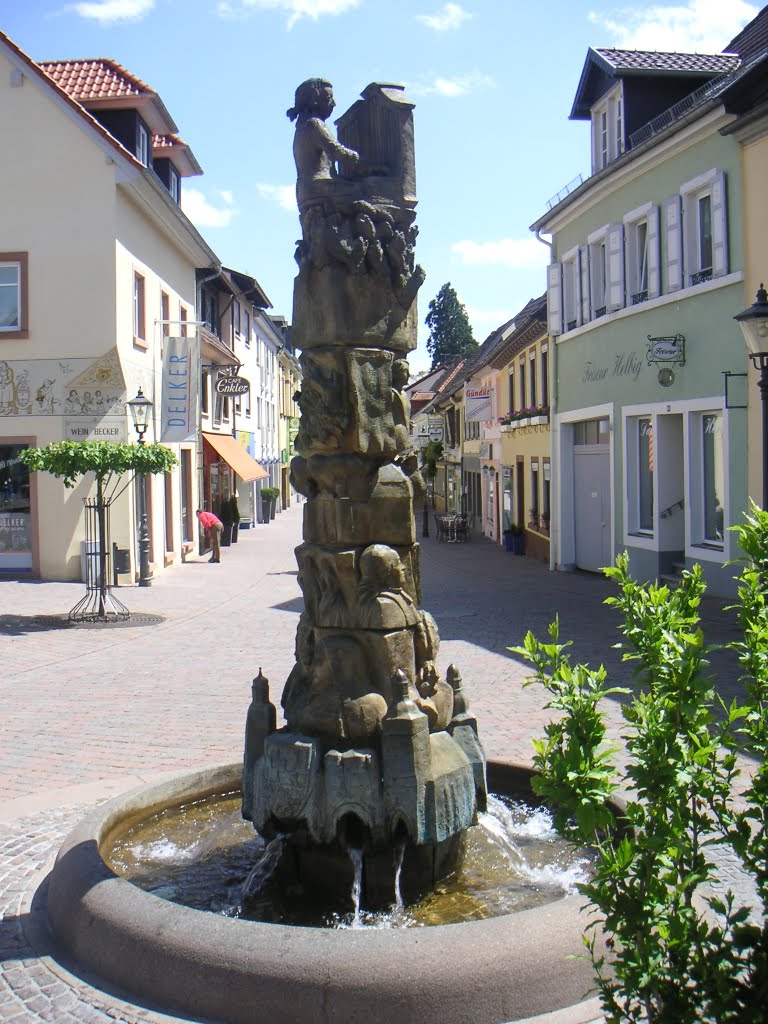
246	467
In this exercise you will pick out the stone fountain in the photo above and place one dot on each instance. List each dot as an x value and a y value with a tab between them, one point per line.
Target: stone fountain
379	752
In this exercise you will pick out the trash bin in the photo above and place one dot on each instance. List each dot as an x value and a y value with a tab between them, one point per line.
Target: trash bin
121	561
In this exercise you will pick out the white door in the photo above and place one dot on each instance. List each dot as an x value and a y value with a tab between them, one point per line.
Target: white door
592	502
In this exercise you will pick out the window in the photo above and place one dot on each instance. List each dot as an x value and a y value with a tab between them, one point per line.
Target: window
704	228
607	129
704	234
13	295
546	501
247	329
521	375
571	298
236	317
139	322
142	144
204	391
512	406
645	474
165	313
641	231
174	184
532	374
183	317
712	477
544	376
534	510
587	432
598	266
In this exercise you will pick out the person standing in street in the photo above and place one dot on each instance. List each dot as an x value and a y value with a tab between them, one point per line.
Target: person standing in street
214	526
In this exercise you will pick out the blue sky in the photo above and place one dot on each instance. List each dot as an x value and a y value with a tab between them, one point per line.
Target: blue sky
492	80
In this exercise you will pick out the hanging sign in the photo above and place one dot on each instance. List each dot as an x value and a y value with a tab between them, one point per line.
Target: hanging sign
179	391
666	350
477	404
233	386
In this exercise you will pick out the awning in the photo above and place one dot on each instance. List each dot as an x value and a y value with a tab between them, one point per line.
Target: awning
236	457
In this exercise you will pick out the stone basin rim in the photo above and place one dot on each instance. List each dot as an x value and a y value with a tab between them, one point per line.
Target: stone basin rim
501	969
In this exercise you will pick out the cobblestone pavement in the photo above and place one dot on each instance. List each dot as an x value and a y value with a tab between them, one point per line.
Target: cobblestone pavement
89	712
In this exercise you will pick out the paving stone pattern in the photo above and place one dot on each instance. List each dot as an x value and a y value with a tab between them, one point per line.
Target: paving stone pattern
97	709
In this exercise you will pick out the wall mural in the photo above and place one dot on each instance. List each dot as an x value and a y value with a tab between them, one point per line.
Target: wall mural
89	394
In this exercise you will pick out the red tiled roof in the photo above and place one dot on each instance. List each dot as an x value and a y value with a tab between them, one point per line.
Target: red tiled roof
89	80
651	60
169	141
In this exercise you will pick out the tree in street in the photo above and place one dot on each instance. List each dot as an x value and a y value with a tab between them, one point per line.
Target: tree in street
450	333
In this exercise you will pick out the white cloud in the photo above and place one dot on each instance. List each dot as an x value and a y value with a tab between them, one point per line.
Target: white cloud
452	87
486	320
108	12
295	9
283	195
448	17
516	253
699	26
205	214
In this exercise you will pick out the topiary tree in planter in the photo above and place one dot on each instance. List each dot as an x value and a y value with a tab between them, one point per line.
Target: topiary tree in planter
109	462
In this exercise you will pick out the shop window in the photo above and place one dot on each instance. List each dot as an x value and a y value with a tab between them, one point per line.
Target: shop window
591	432
533	512
645	456
15	511
13	295
713	482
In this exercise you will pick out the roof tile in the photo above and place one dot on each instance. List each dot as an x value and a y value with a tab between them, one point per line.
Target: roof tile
89	80
651	60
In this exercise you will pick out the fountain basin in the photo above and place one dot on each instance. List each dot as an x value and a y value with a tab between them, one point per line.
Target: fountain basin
204	965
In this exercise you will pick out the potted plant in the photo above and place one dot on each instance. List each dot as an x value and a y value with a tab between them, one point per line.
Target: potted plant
269	497
235	513
516	539
225	515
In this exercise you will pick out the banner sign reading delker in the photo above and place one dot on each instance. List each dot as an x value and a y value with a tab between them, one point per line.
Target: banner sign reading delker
179	391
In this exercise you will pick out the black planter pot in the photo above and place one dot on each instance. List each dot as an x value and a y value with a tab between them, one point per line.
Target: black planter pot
235	531
226	535
265	516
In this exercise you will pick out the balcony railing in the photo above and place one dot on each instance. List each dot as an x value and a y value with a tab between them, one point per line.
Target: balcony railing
639	297
566	190
701	276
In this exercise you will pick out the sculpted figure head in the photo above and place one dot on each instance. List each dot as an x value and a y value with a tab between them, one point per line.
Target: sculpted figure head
313	98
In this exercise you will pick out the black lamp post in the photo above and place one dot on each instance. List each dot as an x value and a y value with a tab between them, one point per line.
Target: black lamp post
140	407
754	327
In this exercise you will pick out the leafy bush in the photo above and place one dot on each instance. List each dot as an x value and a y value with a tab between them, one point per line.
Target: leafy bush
674	953
270	493
69	460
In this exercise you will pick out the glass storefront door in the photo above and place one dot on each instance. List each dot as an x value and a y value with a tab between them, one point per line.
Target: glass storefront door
15	511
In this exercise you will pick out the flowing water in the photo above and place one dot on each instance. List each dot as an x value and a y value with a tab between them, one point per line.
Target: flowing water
203	855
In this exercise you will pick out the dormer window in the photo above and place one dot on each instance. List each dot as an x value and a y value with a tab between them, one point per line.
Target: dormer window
142	144
174	184
607	129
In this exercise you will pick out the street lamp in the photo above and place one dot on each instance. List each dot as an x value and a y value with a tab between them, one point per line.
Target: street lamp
140	407
754	327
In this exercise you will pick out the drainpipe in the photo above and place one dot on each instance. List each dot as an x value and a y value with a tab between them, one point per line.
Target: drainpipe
215	273
554	477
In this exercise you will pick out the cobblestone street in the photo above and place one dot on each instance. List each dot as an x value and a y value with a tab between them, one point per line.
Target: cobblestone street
89	712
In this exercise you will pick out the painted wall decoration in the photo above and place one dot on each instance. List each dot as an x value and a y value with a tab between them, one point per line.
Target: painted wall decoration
89	394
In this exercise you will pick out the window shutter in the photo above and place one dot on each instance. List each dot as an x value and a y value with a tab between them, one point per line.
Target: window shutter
584	283
615	257
555	298
652	243
719	227
673	243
